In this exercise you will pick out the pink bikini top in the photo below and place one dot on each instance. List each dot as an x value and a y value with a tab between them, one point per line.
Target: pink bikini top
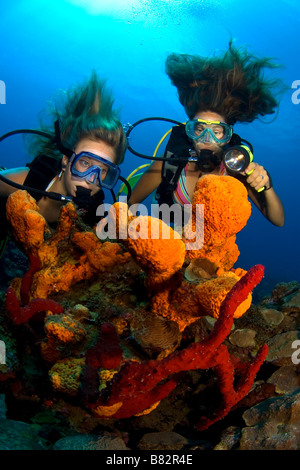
181	195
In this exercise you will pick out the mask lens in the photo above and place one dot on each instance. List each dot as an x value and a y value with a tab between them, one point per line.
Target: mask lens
95	170
208	131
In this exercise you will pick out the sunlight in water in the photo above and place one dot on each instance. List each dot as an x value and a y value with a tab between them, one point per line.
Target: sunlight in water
144	7
96	7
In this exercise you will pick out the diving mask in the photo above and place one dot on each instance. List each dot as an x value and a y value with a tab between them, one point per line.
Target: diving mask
203	131
94	169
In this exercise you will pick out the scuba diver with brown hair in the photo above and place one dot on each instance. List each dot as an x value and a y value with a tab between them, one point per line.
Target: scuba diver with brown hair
76	157
216	93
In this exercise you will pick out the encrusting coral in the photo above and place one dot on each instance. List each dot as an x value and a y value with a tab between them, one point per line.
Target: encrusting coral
101	358
138	386
66	257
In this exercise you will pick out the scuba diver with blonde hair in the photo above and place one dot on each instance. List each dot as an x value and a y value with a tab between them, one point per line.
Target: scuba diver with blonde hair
216	93
75	157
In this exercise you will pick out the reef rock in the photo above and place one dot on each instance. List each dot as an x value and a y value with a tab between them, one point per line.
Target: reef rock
162	441
104	441
281	347
286	379
16	435
273	424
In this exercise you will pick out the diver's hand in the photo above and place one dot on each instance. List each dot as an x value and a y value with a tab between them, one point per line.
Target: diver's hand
258	177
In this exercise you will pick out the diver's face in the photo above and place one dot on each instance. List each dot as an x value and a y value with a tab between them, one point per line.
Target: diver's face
100	148
214	146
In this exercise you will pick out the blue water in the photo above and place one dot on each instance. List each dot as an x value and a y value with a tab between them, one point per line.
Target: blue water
46	45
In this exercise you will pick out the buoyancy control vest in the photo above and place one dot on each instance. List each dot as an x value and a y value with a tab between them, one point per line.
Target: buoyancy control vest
178	146
42	170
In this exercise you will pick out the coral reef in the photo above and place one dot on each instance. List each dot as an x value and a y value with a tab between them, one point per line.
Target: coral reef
62	261
138	386
118	327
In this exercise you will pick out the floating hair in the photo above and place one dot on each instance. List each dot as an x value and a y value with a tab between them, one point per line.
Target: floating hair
232	84
84	111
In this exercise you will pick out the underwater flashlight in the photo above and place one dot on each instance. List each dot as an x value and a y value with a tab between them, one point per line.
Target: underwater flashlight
236	159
